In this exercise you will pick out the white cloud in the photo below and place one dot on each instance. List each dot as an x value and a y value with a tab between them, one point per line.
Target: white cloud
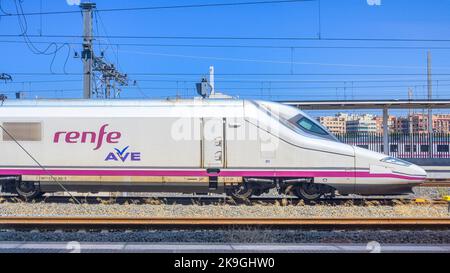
73	2
374	2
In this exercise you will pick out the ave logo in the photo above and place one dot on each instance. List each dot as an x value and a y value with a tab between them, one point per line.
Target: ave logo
123	155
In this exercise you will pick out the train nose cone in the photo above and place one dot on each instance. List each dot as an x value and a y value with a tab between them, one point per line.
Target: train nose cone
419	172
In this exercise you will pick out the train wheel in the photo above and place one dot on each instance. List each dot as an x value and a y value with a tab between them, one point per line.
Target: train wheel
308	192
241	192
27	190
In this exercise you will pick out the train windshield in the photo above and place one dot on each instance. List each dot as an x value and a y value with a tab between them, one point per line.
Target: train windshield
297	121
309	126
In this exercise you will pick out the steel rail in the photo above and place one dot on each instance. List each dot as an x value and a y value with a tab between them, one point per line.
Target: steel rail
203	200
438	183
221	222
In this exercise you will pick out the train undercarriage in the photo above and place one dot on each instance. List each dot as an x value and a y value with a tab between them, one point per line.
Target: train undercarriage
303	188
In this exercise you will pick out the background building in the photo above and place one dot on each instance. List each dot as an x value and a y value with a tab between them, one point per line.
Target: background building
441	123
418	123
336	124
362	124
391	124
414	123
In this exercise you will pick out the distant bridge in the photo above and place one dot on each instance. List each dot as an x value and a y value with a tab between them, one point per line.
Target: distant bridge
369	104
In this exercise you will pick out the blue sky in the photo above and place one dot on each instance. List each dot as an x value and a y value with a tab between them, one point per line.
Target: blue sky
397	19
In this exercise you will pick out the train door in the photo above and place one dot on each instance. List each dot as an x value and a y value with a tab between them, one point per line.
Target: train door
213	139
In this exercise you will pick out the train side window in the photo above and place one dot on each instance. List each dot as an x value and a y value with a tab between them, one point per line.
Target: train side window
22	131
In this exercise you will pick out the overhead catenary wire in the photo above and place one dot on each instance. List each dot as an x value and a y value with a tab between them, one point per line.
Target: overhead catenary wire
191	92
244	45
231	88
2	10
274	38
319	37
246	81
99	19
289	62
233	74
51	49
299	81
148	8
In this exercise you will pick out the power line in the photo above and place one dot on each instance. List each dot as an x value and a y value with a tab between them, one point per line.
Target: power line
246	46
286	74
233	74
2	10
272	81
352	39
43	81
265	80
51	49
247	95
302	87
161	7
253	88
291	62
98	16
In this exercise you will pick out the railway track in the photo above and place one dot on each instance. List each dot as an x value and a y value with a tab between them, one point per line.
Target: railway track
197	223
439	183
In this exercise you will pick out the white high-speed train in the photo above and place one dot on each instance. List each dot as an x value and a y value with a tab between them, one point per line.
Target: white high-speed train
239	147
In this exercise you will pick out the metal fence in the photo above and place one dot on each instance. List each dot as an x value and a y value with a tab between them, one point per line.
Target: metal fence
420	145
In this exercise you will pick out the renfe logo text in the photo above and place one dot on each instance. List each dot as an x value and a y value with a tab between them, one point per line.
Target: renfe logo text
97	138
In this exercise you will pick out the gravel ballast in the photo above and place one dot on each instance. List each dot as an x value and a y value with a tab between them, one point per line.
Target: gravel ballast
369	209
156	208
243	211
236	236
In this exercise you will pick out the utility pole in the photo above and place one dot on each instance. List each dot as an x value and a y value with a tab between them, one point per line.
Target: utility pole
410	115
211	80
386	147
430	113
430	93
109	73
92	63
88	53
